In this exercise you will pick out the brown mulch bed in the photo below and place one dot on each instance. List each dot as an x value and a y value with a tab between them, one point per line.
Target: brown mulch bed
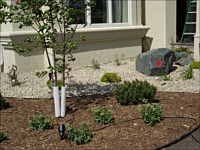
128	131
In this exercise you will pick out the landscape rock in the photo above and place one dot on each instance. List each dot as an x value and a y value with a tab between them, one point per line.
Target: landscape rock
184	61
179	55
155	62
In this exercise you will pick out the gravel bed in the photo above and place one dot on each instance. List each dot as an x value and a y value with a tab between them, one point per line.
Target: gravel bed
87	81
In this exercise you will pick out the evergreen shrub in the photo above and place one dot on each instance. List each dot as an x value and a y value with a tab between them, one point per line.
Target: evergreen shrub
134	92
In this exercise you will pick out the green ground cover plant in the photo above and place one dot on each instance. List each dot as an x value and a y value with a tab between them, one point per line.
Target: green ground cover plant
187	74
166	78
102	115
151	113
110	78
39	122
80	135
195	65
134	92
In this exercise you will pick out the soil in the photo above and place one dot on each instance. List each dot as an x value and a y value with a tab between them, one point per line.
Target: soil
127	131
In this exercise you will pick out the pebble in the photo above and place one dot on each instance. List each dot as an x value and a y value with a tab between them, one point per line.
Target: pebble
86	81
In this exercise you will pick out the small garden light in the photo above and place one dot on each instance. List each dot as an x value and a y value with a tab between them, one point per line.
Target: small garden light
61	130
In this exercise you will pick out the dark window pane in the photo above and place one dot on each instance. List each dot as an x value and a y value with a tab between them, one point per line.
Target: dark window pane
99	12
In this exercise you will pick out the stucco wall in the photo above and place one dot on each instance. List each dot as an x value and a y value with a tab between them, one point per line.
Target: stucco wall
102	44
161	18
197	35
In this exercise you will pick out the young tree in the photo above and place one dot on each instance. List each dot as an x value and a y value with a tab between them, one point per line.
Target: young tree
55	23
3	12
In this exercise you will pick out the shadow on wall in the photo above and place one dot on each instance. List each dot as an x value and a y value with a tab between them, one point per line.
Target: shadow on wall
146	44
108	44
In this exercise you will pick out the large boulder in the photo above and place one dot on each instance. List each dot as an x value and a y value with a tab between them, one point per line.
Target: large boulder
155	62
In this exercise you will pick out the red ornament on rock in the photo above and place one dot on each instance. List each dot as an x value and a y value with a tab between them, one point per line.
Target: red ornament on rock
158	63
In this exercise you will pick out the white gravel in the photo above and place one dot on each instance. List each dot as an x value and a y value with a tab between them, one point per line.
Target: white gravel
87	81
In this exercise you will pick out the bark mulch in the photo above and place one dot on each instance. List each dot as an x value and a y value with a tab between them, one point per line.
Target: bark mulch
127	131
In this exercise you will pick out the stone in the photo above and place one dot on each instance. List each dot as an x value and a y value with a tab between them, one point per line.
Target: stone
179	55
155	62
184	61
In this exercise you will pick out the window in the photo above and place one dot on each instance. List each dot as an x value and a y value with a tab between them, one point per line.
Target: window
120	11
104	11
108	11
99	12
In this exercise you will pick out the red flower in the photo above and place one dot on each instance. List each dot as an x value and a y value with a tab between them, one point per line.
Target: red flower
158	63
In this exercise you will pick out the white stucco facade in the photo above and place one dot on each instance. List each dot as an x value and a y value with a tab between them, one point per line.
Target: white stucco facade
197	35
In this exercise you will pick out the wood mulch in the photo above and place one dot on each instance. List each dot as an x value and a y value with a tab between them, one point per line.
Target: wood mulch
127	131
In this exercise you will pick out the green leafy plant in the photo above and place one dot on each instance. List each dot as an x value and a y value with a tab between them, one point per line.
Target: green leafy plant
39	122
134	92
80	135
3	104
187	74
102	115
110	77
166	78
41	74
59	84
95	64
151	113
182	49
2	136
195	65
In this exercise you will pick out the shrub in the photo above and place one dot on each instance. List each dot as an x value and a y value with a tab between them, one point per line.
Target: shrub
134	92
95	64
195	65
39	122
151	113
187	74
59	83
166	78
110	77
3	104
79	136
183	49
102	115
2	136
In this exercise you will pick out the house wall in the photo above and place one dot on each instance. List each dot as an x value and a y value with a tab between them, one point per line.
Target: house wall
197	35
161	18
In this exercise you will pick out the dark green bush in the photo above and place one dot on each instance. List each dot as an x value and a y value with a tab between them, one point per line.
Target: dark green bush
80	135
102	115
151	113
39	122
59	83
195	65
110	77
2	102
134	92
